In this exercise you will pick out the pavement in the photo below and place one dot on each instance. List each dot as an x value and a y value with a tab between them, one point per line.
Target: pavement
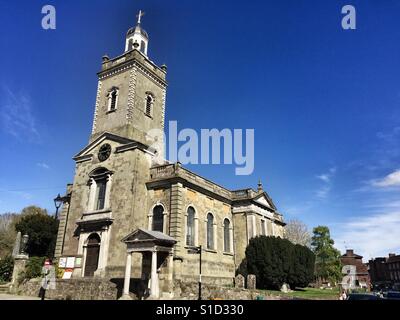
15	297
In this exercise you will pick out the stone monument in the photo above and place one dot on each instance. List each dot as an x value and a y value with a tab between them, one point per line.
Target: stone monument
20	258
239	281
251	282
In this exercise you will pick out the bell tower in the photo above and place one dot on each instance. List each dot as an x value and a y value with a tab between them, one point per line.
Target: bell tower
137	37
131	91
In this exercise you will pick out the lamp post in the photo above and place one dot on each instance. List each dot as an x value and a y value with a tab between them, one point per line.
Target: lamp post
58	201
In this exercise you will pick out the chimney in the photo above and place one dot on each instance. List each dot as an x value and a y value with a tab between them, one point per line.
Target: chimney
349	252
392	255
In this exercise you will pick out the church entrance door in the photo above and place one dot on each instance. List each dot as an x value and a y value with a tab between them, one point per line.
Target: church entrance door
92	255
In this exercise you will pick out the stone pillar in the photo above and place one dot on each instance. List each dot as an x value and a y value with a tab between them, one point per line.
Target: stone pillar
170	277
19	266
127	279
176	228
154	276
92	195
108	192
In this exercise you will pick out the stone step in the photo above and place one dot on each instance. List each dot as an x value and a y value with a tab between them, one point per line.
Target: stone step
5	288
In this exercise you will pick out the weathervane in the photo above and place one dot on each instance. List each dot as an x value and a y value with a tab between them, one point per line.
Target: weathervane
139	16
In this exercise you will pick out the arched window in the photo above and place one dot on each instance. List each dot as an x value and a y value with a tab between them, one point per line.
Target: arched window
143	47
112	99
149	105
100	183
210	231
190	228
227	235
100	194
130	44
92	254
158	218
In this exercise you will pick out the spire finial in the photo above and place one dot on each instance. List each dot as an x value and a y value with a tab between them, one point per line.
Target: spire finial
260	186
139	16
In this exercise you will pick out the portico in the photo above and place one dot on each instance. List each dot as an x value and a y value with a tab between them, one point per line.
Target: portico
160	247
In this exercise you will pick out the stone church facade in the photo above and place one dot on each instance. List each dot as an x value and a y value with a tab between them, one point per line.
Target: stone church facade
133	219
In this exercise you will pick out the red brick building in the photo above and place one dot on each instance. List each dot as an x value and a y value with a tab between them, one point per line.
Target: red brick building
385	272
362	275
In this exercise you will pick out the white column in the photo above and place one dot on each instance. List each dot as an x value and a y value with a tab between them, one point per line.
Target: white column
92	194
127	273
231	247
215	235
154	282
196	231
253	218
108	192
165	217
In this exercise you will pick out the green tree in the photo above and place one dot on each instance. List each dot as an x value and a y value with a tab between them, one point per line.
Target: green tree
41	229
302	271
327	264
275	261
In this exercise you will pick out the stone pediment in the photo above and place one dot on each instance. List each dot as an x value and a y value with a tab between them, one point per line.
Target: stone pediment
264	200
141	235
124	144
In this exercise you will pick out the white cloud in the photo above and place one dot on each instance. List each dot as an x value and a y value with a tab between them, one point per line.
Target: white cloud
370	236
43	165
16	116
298	209
391	180
326	178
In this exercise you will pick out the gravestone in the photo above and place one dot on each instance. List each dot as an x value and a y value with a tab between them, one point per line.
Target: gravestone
285	288
239	281
251	282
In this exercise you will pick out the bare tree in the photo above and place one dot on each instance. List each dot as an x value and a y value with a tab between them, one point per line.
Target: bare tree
7	233
297	232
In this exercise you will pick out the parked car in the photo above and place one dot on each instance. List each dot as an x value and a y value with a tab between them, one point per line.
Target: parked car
363	296
392	295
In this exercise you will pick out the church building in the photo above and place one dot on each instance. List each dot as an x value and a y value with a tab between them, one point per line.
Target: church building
142	222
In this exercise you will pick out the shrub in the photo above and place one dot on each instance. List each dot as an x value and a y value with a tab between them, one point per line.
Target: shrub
275	261
33	269
6	269
302	271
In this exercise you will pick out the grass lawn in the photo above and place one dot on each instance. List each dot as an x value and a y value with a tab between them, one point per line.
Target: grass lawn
308	293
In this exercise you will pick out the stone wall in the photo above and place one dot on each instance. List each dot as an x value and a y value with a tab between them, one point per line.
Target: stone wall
73	289
190	291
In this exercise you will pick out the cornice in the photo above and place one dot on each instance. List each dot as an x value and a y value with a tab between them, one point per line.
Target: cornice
123	66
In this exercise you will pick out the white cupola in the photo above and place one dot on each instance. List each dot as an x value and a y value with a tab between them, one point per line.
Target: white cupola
137	38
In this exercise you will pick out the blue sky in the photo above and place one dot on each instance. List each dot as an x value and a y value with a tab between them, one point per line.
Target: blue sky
324	102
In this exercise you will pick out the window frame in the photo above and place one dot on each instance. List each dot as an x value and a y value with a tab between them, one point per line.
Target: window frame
192	227
162	215
99	183
147	105
110	95
210	232
227	236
